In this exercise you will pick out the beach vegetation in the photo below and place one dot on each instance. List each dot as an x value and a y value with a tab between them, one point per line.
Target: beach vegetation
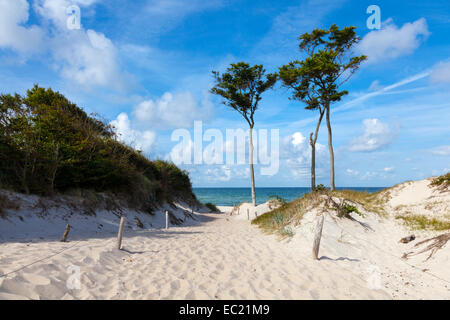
50	145
316	80
422	222
442	182
212	207
241	87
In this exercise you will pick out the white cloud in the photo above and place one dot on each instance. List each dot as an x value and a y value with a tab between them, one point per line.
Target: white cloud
13	35
375	86
182	152
441	73
441	151
376	135
392	42
55	10
369	175
164	15
389	169
178	110
352	172
141	140
85	57
297	150
222	173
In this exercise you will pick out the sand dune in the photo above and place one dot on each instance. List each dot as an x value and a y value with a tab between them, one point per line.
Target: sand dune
218	256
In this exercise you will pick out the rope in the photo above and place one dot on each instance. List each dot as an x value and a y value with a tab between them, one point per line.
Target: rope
40	260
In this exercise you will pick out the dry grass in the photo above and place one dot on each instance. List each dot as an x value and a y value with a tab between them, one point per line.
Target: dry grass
442	182
372	202
6	203
422	222
280	220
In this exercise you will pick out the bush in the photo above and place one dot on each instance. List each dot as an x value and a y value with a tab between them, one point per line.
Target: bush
48	144
443	182
346	210
211	207
320	188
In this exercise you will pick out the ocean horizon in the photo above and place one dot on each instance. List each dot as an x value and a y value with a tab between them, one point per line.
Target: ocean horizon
229	196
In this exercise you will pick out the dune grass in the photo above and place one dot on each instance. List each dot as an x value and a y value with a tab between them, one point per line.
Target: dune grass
373	202
280	220
422	222
212	207
443	182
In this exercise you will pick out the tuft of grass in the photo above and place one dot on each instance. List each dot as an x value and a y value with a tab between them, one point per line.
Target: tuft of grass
7	203
139	223
373	202
211	207
346	210
422	222
443	182
280	220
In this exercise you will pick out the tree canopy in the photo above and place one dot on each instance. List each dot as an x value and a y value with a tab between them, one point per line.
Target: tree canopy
241	87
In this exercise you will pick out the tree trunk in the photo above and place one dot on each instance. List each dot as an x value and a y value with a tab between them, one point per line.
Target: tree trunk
252	173
312	142
330	148
313	162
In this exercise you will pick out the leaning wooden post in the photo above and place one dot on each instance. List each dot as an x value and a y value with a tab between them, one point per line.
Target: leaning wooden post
317	236
167	219
256	214
119	236
66	233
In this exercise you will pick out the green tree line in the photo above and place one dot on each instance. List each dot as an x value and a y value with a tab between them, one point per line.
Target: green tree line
49	144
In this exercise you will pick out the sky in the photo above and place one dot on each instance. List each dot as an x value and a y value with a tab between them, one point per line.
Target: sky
145	67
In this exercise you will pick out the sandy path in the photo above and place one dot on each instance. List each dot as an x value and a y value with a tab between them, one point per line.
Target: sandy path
219	258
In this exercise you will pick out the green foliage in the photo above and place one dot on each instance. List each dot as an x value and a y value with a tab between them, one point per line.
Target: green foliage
316	79
442	182
320	189
422	222
48	144
278	199
346	210
241	87
211	207
281	219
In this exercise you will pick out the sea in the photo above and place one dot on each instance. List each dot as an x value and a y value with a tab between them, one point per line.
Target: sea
234	196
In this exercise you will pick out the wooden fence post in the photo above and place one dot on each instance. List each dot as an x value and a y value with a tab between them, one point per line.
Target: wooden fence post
66	233
317	236
167	219
248	215
119	236
256	214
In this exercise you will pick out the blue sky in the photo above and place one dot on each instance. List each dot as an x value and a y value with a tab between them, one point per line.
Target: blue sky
145	66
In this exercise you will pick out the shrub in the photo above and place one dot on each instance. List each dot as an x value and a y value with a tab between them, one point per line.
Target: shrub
320	189
345	210
49	144
443	182
211	207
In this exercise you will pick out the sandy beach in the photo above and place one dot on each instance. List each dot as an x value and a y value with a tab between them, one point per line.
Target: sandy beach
224	256
220	258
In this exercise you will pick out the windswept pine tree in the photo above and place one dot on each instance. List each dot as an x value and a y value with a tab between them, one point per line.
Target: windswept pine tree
241	87
316	80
